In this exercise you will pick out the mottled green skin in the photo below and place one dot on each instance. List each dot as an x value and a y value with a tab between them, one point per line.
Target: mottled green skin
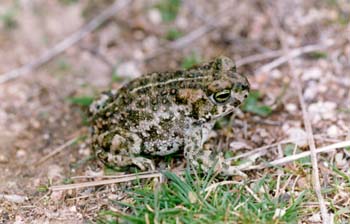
161	113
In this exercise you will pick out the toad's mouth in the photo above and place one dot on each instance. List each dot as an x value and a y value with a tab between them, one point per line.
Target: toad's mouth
223	114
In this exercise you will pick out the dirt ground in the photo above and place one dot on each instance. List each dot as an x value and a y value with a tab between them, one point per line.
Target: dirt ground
37	114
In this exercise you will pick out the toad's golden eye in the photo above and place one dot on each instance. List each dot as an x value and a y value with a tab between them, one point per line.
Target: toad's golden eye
222	96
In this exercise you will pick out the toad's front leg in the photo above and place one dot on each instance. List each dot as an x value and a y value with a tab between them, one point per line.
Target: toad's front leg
193	150
207	159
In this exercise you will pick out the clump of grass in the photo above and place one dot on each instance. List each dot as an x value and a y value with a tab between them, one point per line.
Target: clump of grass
187	200
173	34
63	65
68	2
291	149
116	77
318	54
169	9
42	188
251	104
190	61
83	101
9	19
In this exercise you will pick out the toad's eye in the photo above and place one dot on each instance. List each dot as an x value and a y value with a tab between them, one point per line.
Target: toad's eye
222	96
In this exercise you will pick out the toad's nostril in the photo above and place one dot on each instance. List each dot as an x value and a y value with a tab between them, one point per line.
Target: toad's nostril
245	87
236	103
242	87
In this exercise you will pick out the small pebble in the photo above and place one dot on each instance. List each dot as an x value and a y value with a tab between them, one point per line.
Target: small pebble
279	212
56	195
73	208
310	93
340	160
21	153
314	73
128	69
3	159
234	146
298	136
54	172
291	108
13	198
315	218
322	111
276	74
333	131
154	16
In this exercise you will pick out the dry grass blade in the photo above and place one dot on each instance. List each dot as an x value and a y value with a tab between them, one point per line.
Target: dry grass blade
56	151
210	25
212	187
295	157
251	192
292	53
262	150
66	43
327	148
121	179
259	57
147	175
311	142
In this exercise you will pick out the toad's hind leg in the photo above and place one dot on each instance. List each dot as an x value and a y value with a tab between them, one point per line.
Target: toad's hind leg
121	148
125	160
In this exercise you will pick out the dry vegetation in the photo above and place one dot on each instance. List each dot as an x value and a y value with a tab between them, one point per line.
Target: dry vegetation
296	55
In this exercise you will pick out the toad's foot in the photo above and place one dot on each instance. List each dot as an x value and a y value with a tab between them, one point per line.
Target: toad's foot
143	163
207	160
124	160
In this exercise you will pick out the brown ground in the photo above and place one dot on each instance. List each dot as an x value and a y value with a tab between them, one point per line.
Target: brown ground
36	115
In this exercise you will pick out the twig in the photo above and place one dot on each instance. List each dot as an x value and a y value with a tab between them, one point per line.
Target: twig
147	175
67	42
57	150
259	57
262	150
312	145
96	53
292	158
210	25
307	123
293	53
286	57
295	157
